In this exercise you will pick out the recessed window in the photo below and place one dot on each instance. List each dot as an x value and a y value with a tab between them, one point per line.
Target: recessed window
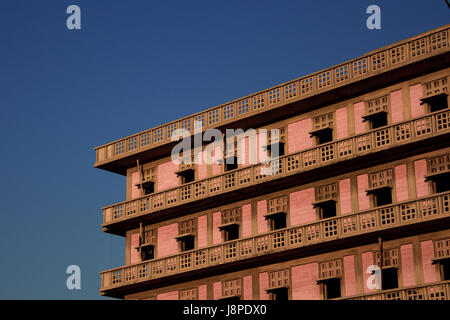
273	147
377	112
280	294
148	253
186	171
438	103
380	120
442	184
230	224
276	139
231	299
278	222
147	241
187	244
186	235
327	210
148	188
231	290
326	201
325	136
231	233
435	94
230	163
187	177
439	173
445	269
279	282
332	288
148	178
277	209
323	128
383	197
380	187
389	278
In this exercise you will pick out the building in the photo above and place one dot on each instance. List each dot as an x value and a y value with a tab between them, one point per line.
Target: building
362	180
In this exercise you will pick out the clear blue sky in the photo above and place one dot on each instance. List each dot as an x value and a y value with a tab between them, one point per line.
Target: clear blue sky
134	65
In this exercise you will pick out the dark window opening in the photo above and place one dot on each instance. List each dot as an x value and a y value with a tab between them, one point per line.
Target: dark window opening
379	120
325	136
389	278
280	147
231	299
188	176
332	288
328	210
442	184
231	164
231	233
438	103
277	222
148	188
383	197
280	294
445	265
147	253
187	244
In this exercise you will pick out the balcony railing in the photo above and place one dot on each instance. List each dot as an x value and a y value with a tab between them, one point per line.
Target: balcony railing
396	55
433	291
376	219
382	138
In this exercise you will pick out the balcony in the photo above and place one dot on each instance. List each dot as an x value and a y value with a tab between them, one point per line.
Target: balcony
340	151
398	55
435	208
434	291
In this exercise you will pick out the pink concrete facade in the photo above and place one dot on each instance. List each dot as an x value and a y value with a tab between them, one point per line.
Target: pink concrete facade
301	209
167	244
202	167
135	192
342	121
261	211
217	221
304	282
349	275
358	111
217	290
407	259
172	295
367	260
248	288
363	199
202	292
420	170
396	106
167	177
216	167
298	135
263	285
401	183
202	226
134	253
345	196
429	270
415	93
246	220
